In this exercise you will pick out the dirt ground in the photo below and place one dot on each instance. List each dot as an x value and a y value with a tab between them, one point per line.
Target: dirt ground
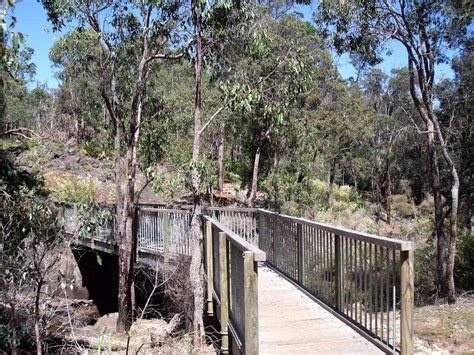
445	329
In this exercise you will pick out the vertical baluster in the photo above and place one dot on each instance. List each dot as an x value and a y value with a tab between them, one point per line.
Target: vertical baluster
387	291
381	293
326	267
361	283
346	275
370	275
339	272
356	280
319	261
351	295
376	299
323	264
166	236
312	281
224	292
365	285
394	296
209	268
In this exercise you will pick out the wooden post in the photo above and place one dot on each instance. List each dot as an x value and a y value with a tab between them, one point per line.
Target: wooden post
250	303
224	292
300	256
339	273
406	302
209	268
166	236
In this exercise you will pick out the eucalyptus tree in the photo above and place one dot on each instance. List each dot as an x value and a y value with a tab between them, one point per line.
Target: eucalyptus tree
131	37
76	55
455	111
204	18
270	75
341	124
15	70
426	30
390	100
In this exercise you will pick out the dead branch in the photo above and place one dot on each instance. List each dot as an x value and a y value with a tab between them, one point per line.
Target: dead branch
17	131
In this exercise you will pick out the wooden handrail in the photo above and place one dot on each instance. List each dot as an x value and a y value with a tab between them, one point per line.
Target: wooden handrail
232	288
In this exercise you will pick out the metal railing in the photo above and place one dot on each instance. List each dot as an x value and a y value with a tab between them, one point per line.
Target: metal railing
163	230
366	279
159	230
242	221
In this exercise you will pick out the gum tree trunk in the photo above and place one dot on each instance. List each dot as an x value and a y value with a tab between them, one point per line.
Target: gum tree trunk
196	238
220	158
253	189
331	178
388	193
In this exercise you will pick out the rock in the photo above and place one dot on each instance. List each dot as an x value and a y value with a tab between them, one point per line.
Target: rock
106	324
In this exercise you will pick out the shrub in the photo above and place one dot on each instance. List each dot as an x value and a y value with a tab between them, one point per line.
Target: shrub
465	260
95	149
427	206
38	155
402	206
231	177
75	190
290	208
346	193
425	272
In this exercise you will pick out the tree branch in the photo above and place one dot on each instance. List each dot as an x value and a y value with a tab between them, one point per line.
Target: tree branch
214	115
17	131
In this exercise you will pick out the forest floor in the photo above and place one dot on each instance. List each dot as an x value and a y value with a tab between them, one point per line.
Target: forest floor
442	329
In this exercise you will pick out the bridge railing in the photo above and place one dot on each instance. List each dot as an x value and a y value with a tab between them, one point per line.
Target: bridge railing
367	280
163	230
232	286
159	230
242	221
72	223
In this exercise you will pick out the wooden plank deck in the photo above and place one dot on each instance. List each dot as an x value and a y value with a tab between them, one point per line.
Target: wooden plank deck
291	323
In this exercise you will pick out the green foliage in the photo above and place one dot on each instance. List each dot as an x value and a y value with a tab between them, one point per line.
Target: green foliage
169	186
75	190
465	260
38	154
31	234
402	206
96	149
284	191
425	272
231	177
91	217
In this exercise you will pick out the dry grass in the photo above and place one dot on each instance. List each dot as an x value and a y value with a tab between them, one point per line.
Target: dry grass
446	329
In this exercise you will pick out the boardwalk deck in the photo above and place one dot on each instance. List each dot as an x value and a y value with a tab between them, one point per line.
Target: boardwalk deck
291	323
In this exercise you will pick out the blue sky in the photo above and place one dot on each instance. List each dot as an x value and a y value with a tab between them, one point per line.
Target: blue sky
32	21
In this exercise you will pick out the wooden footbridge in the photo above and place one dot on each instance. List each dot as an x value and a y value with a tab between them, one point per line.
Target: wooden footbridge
284	285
